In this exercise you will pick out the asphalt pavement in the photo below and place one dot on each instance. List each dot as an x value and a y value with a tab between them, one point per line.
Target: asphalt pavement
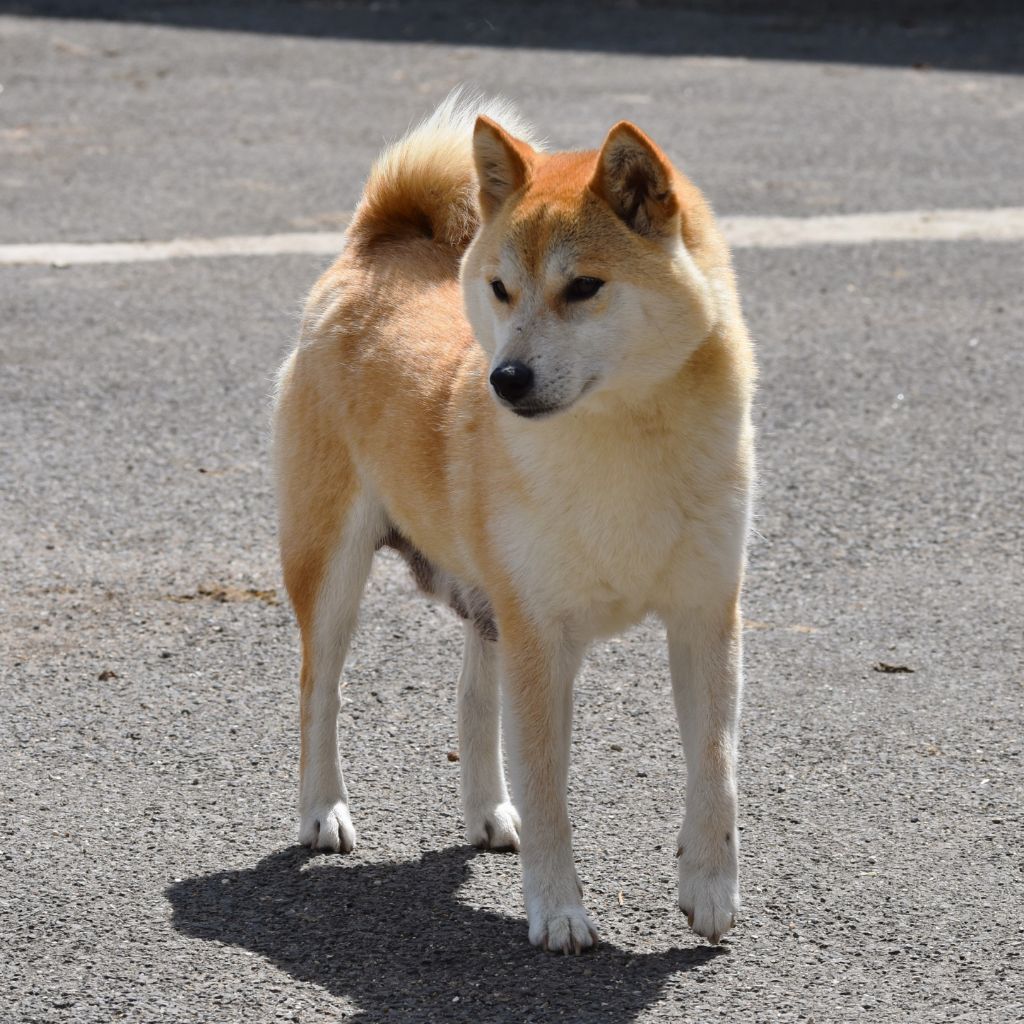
148	709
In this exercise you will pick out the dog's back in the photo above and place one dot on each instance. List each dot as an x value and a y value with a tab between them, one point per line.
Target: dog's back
384	323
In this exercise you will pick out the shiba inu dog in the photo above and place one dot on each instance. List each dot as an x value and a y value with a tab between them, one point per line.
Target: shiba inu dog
529	373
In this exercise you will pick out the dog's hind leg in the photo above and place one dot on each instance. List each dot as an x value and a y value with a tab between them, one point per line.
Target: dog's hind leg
327	623
329	528
491	820
705	659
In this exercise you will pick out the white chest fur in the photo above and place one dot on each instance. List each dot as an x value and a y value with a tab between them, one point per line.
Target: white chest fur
620	523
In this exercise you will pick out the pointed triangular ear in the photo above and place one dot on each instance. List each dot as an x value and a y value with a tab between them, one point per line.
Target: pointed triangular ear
635	179
502	164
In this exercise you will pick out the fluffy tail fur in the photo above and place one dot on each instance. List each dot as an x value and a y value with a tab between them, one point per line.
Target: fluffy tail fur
424	185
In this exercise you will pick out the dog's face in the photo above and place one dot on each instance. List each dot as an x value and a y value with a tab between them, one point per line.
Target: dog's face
578	282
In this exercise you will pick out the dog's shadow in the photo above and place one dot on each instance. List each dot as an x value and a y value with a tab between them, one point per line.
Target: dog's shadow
396	941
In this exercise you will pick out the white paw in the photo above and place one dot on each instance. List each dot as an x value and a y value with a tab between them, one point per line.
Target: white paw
494	828
565	929
328	827
709	896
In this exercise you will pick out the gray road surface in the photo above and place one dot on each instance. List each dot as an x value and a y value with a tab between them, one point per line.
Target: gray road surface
148	733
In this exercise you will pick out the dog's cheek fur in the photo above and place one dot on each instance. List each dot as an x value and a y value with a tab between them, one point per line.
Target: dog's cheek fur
477	297
478	309
638	341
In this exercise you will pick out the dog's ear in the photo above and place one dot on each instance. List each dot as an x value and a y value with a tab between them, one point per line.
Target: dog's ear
634	177
502	164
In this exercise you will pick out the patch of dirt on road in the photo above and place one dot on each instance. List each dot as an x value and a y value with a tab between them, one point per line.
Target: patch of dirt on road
227	594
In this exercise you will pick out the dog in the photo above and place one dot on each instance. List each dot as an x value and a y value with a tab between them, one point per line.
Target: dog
529	373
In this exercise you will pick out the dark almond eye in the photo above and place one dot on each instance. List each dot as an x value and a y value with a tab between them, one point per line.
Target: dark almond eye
583	288
499	290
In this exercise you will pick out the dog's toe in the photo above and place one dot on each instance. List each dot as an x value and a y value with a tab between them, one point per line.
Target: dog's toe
496	828
328	828
710	901
567	930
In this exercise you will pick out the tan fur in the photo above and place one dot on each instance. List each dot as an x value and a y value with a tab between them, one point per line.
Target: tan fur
630	502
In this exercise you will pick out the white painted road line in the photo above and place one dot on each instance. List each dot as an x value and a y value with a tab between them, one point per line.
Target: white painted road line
1004	224
63	254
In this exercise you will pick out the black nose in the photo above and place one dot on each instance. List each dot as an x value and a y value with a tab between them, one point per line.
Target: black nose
512	380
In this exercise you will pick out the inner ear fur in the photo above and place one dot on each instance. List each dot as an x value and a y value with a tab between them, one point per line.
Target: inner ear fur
635	179
502	164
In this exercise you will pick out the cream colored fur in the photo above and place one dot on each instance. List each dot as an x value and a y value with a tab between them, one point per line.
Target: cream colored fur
625	493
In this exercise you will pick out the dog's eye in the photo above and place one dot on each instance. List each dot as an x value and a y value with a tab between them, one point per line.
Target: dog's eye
499	290
583	288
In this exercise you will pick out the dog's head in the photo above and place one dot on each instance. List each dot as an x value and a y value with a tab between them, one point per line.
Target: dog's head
592	273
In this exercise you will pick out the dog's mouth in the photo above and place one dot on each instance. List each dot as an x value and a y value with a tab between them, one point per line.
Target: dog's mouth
536	412
539	412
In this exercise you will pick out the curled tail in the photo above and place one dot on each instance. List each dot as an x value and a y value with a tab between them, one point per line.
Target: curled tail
424	185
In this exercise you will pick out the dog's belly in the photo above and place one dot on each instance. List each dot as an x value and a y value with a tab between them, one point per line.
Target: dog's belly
603	612
469	603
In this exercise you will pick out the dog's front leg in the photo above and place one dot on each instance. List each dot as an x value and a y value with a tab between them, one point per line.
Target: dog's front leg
538	672
705	659
491	820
